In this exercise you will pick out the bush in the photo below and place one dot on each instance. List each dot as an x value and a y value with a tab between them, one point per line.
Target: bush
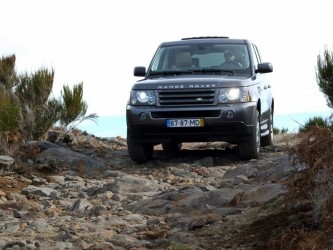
284	130
324	75
74	108
312	182
277	131
39	111
7	71
10	116
27	109
316	121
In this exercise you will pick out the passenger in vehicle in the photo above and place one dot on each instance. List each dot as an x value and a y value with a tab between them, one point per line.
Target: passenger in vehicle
183	60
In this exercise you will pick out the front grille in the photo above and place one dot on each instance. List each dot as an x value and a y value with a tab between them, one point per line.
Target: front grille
186	114
186	96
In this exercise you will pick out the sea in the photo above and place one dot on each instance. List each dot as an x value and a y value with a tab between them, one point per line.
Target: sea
114	126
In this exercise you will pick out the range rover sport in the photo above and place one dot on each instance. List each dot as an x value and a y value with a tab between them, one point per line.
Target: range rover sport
201	89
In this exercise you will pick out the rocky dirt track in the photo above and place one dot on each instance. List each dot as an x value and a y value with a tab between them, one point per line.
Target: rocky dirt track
91	196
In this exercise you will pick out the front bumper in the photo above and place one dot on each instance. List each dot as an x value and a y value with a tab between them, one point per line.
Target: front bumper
218	126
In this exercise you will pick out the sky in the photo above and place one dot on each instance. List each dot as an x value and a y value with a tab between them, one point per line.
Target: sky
100	42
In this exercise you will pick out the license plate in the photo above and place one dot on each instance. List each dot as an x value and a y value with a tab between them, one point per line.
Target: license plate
184	123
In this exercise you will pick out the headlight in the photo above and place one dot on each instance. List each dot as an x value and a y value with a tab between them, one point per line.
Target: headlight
142	97
231	95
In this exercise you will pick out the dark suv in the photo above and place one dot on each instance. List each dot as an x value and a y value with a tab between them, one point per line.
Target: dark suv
201	89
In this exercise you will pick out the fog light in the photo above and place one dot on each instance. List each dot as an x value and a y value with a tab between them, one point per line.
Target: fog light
142	116
230	114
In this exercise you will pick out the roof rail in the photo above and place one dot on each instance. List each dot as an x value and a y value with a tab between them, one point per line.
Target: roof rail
204	37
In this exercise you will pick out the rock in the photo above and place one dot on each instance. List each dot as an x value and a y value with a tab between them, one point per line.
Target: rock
6	160
133	184
240	179
222	197
40	191
42	226
183	239
57	179
81	205
245	170
63	245
205	162
128	242
81	163
16	197
44	145
101	200
203	220
225	211
157	233
263	194
12	229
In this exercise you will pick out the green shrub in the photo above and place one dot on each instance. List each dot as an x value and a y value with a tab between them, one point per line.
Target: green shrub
324	75
10	115
316	121
7	71
39	111
276	131
74	108
27	107
284	130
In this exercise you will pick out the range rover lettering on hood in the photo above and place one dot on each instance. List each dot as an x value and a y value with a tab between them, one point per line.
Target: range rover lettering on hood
183	86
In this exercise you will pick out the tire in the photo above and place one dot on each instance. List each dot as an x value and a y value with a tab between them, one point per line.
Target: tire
172	147
251	148
139	152
268	140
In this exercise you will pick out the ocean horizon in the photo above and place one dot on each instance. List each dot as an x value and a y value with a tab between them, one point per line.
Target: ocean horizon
115	125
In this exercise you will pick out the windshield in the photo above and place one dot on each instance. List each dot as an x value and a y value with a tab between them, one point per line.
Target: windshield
230	59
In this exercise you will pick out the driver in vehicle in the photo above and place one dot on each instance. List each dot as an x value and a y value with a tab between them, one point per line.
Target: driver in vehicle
231	60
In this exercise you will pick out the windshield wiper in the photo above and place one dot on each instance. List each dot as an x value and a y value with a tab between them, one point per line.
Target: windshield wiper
212	70
193	71
171	72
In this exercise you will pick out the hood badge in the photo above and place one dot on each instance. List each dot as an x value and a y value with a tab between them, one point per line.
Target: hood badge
190	86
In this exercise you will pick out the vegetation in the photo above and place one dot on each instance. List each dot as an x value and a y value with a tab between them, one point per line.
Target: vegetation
74	108
277	131
324	75
311	187
7	71
316	121
303	219
10	114
28	108
39	111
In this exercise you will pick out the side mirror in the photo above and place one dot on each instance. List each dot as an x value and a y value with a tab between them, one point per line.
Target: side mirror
264	67
140	71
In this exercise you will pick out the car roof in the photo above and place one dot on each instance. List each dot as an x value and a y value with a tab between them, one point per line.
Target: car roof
210	39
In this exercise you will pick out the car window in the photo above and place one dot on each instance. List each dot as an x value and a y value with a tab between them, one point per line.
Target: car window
201	56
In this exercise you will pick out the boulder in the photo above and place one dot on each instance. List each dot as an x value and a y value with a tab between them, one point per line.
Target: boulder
78	162
6	160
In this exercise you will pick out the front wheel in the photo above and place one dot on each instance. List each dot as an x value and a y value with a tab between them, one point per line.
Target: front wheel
139	152
251	148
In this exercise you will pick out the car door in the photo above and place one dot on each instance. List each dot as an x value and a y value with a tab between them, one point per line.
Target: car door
263	89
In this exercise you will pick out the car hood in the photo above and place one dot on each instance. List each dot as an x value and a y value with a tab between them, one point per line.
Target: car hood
183	82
